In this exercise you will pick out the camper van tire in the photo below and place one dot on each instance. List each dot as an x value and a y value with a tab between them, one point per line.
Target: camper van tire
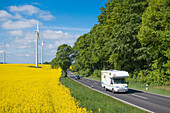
113	91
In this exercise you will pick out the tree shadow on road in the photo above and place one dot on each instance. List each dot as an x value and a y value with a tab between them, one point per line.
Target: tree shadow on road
134	91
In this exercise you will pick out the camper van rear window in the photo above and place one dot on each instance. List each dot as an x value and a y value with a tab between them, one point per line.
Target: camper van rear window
104	76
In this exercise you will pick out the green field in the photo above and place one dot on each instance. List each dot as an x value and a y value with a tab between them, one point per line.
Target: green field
94	101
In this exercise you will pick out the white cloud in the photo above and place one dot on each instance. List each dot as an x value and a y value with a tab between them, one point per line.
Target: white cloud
49	34
66	28
58	43
50	46
69	42
16	33
22	54
18	16
30	10
53	51
27	42
36	3
21	24
4	14
27	54
26	9
1	51
45	15
30	35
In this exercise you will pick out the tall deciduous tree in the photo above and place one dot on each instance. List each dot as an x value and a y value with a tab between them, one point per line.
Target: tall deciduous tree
132	35
154	35
63	58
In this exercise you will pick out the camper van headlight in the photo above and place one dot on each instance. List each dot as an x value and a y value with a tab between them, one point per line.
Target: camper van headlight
117	86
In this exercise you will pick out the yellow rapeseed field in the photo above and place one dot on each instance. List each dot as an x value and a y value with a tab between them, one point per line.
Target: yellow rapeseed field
26	89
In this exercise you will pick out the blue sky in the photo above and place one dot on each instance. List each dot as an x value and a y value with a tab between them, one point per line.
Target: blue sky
61	21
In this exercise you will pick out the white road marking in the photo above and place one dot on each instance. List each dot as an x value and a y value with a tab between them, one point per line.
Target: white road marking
116	98
139	96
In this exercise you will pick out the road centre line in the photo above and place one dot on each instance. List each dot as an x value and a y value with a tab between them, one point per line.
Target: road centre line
139	96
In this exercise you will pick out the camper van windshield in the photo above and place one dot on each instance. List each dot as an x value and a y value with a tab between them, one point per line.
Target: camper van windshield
119	81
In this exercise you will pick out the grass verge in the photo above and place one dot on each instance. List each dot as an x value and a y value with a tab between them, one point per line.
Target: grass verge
94	101
162	90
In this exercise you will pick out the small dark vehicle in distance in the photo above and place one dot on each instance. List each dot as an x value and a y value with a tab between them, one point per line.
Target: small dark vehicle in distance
77	77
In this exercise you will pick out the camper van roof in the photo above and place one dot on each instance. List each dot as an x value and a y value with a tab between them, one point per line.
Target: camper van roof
113	70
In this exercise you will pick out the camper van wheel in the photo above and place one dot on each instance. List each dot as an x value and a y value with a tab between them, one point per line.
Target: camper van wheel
105	89
113	91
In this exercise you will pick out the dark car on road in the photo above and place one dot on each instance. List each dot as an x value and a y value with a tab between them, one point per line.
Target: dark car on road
77	77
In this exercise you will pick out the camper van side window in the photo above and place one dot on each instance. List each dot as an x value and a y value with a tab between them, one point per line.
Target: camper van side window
111	81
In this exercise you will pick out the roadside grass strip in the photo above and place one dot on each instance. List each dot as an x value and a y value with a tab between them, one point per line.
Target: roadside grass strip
93	100
160	90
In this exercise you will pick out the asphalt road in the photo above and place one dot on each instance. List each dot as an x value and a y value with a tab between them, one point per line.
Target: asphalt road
143	100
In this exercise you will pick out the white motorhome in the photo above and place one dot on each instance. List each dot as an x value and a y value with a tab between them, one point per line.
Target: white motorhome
114	80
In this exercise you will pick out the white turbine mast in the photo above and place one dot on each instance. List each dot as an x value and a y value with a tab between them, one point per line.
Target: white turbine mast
42	44
36	54
4	56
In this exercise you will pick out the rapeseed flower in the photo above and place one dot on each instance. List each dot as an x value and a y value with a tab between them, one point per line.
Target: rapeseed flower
26	89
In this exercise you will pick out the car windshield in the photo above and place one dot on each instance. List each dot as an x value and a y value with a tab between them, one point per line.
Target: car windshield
120	81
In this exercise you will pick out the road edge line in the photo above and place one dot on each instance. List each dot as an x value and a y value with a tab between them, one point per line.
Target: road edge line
142	91
115	97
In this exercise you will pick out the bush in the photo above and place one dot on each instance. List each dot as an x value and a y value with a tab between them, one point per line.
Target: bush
96	73
64	74
85	73
81	72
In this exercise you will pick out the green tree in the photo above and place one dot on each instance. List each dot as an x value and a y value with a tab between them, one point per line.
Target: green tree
113	43
64	58
82	53
53	63
154	36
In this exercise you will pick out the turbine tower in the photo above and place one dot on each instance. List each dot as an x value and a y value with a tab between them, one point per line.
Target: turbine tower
42	44
4	56
36	54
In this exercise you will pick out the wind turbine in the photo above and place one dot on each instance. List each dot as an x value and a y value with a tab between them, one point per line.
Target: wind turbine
42	44
36	54
4	56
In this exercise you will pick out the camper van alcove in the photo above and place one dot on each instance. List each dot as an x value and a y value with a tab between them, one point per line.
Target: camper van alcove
114	80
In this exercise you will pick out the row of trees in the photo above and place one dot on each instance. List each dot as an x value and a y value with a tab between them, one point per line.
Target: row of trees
132	35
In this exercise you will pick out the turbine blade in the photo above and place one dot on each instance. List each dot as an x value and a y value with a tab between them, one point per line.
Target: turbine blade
37	27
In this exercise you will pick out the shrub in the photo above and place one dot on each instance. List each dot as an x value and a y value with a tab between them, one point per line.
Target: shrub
97	73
